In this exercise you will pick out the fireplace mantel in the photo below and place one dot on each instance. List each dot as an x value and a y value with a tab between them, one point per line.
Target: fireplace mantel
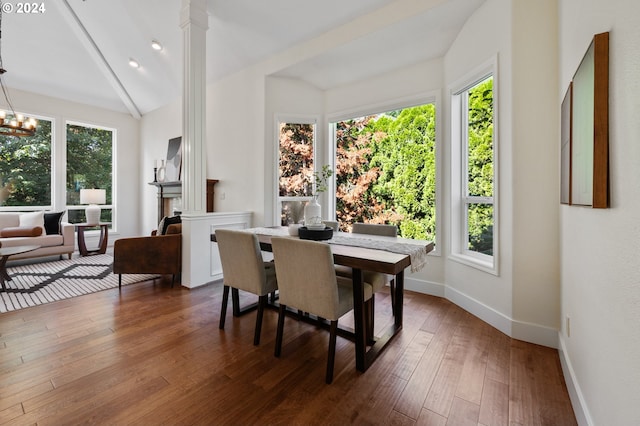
168	191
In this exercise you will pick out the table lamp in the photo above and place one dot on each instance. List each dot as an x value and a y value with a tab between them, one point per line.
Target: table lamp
93	197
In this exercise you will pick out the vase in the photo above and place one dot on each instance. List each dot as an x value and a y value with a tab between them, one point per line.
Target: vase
162	172
313	214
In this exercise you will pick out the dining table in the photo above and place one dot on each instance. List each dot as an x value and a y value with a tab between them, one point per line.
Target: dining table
364	252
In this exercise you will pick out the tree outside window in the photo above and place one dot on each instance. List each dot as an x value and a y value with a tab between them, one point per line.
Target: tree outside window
89	165
295	169
386	171
479	168
25	168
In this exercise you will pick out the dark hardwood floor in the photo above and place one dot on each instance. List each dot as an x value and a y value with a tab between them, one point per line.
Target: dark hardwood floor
154	355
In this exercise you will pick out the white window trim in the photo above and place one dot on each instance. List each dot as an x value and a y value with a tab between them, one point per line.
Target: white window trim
459	199
431	97
289	118
114	139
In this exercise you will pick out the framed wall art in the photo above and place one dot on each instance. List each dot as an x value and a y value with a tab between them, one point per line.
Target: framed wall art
174	160
589	129
565	148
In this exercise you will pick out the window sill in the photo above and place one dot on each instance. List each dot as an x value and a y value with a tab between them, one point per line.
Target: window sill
487	265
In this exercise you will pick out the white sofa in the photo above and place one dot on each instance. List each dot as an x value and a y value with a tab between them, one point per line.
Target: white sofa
50	244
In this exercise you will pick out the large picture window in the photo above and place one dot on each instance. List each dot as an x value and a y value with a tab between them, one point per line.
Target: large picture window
89	165
474	173
25	169
386	170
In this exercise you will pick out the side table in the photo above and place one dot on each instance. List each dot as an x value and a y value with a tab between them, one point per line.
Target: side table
102	244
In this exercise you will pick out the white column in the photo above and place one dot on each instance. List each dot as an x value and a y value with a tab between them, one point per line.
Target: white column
194	22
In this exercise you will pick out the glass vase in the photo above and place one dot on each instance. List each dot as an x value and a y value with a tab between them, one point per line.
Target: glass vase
313	214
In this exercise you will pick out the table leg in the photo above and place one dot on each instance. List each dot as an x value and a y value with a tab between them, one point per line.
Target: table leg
359	319
399	302
4	276
82	246
104	237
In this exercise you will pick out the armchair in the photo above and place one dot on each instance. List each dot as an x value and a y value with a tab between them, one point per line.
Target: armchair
156	254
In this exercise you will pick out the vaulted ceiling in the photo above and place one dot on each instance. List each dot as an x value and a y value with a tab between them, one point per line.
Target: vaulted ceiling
79	49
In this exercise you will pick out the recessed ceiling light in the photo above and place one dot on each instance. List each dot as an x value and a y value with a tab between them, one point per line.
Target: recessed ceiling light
134	63
155	44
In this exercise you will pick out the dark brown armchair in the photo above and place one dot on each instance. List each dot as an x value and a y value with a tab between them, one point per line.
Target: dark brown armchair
157	254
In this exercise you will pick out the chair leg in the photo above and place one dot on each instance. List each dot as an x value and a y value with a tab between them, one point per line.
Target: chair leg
262	302
119	281
173	279
235	302
280	330
223	310
333	331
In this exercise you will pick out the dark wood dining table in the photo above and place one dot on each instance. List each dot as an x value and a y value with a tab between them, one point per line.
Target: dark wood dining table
364	259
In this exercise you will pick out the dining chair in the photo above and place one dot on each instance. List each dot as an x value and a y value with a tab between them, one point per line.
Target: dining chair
377	280
244	269
307	281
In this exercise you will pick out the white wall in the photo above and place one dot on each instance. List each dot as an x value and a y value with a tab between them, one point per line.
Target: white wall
599	248
127	175
535	159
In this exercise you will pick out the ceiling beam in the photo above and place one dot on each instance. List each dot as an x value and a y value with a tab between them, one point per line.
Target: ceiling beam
94	51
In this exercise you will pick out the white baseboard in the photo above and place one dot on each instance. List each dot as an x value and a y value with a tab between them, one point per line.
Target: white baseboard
533	333
575	393
424	287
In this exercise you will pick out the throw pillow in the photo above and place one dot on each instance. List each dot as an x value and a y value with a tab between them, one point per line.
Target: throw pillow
21	231
29	220
161	226
52	222
169	221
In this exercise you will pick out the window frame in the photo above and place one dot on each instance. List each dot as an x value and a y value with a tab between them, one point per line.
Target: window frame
52	175
293	119
460	200
422	98
114	138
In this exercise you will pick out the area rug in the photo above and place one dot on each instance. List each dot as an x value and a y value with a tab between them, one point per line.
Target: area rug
44	282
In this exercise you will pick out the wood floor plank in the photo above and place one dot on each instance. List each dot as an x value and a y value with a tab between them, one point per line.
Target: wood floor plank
150	354
429	418
494	408
463	413
412	399
474	365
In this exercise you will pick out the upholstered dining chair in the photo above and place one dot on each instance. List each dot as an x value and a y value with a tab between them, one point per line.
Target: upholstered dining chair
377	279
244	269
307	281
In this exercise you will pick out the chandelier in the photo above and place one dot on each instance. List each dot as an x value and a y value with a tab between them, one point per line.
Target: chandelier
12	124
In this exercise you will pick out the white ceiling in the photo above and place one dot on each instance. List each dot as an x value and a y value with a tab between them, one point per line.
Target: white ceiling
79	49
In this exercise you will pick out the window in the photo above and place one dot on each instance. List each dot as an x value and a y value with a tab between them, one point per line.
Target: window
296	146
89	165
386	170
25	169
474	173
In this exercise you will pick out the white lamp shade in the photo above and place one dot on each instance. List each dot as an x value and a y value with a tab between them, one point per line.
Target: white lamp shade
93	196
